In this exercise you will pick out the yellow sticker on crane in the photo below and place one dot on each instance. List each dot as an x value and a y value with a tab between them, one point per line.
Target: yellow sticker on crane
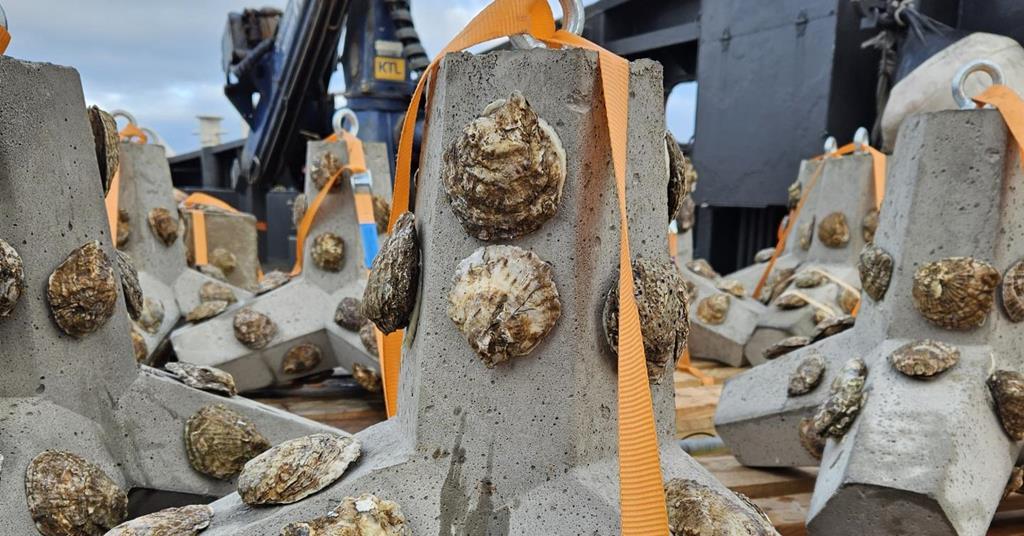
387	68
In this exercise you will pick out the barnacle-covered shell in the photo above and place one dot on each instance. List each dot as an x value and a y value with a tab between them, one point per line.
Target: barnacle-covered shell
129	284
847	299
368	336
731	286
296	469
205	310
504	174
381	213
124	227
347	314
955	292
223	259
299	206
833	231
1012	291
869	225
691	291
82	291
68	496
211	291
12	278
391	288
163	225
327	166
106	139
875	268
812	441
687	214
924	358
696	509
301	358
203	377
786	346
328	252
702	268
809	279
368	378
504	302
182	521
355	516
806	234
272	280
790	300
807	375
1007	388
139	347
793	194
1015	482
837	412
681	175
832	325
212	271
764	255
713	310
219	441
254	329
661	301
778	282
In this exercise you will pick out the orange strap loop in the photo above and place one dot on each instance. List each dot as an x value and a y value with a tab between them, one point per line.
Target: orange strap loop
642	499
686	365
5	39
112	202
201	199
1009	104
131	131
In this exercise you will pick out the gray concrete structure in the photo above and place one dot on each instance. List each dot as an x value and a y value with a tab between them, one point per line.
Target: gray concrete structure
235	232
924	457
87	395
304	308
528	447
723	342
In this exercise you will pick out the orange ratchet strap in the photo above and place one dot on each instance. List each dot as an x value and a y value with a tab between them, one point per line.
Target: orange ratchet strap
112	201
1009	104
5	39
131	131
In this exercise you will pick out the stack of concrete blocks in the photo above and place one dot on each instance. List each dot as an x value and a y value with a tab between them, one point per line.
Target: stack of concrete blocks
165	277
87	395
923	457
234	232
303	309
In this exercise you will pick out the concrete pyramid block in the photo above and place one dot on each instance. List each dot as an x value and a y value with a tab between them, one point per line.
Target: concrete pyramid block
234	233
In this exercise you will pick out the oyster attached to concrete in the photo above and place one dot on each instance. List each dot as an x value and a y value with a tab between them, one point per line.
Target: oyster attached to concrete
203	377
212	271
702	268
832	325
183	521
391	288
956	292
713	310
355	516
163	224
347	314
833	231
368	336
764	255
129	284
368	378
1007	388
812	441
224	259
807	375
296	469
124	228
299	206
1012	291
67	495
220	441
504	302
790	300
328	252
139	347
301	358
1015	482
847	299
381	213
211	291
82	291
504	174
793	193
731	286
806	234
924	358
107	141
869	225
786	346
661	301
152	315
327	166
206	310
836	413
272	280
12	278
696	509
778	282
682	176
809	279
254	329
875	268
687	214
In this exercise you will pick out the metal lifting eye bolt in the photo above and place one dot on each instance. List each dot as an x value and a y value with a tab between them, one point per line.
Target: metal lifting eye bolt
573	18
860	140
831	145
125	114
3	18
960	79
338	121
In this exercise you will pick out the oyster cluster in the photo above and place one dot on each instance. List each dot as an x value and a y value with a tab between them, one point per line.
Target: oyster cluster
253	329
68	495
328	252
107	141
203	377
682	176
272	280
152	315
806	234
301	358
129	284
956	292
786	346
702	268
296	469
836	413
924	358
713	309
12	278
219	441
1007	388
696	509
367	378
82	291
504	175
326	167
211	291
163	224
875	268
833	231
347	314
391	288
806	376
1012	292
365	515
182	521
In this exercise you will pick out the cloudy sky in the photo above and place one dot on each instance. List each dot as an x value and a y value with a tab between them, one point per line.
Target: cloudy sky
161	60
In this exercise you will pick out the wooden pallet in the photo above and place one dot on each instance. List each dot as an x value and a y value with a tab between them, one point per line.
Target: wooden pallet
696	403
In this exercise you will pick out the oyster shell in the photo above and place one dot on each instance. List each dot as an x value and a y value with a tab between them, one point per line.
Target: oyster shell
691	291
367	378
272	280
381	213
793	194
807	375
875	268
206	310
163	225
832	325
764	255
224	259
786	346
956	292
836	413
504	302
347	314
211	291
368	336
687	214
82	291
67	495
129	284
1007	388
299	206
810	440
713	310
301	358
664	313
695	509
124	228
833	231
1015	482
152	316
296	469
682	176
809	279
847	299
355	516
702	268
924	358
254	329
12	278
107	140
212	271
806	234
139	347
328	252
183	521
391	288
790	300
220	441
327	166
731	286
503	176
1012	292
777	283
869	225
203	377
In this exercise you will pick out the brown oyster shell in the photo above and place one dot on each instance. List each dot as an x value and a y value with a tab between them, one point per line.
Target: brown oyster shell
224	259
355	516
328	252
1012	292
1007	388
682	176
271	280
924	358
211	291
82	291
869	225
163	224
806	234
254	329
832	325
956	292
301	358
504	175
203	377
714	309
847	299
381	213
504	302
152	316
731	286
139	347
12	278
206	310
806	376
129	284
764	255
124	228
299	206
833	231
786	346
702	268
212	271
836	413
875	267
391	288
68	496
821	315
810	440
220	441
790	300
368	378
660	294
696	509
296	469
183	521
793	193
809	279
1015	482
107	141
327	166
778	282
347	314
368	336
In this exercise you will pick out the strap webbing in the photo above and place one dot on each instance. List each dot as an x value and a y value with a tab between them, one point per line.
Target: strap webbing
1009	104
112	201
5	39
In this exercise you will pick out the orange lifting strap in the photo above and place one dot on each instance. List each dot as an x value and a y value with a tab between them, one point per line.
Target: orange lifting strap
131	131
5	39
199	222
641	491
1009	104
112	201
